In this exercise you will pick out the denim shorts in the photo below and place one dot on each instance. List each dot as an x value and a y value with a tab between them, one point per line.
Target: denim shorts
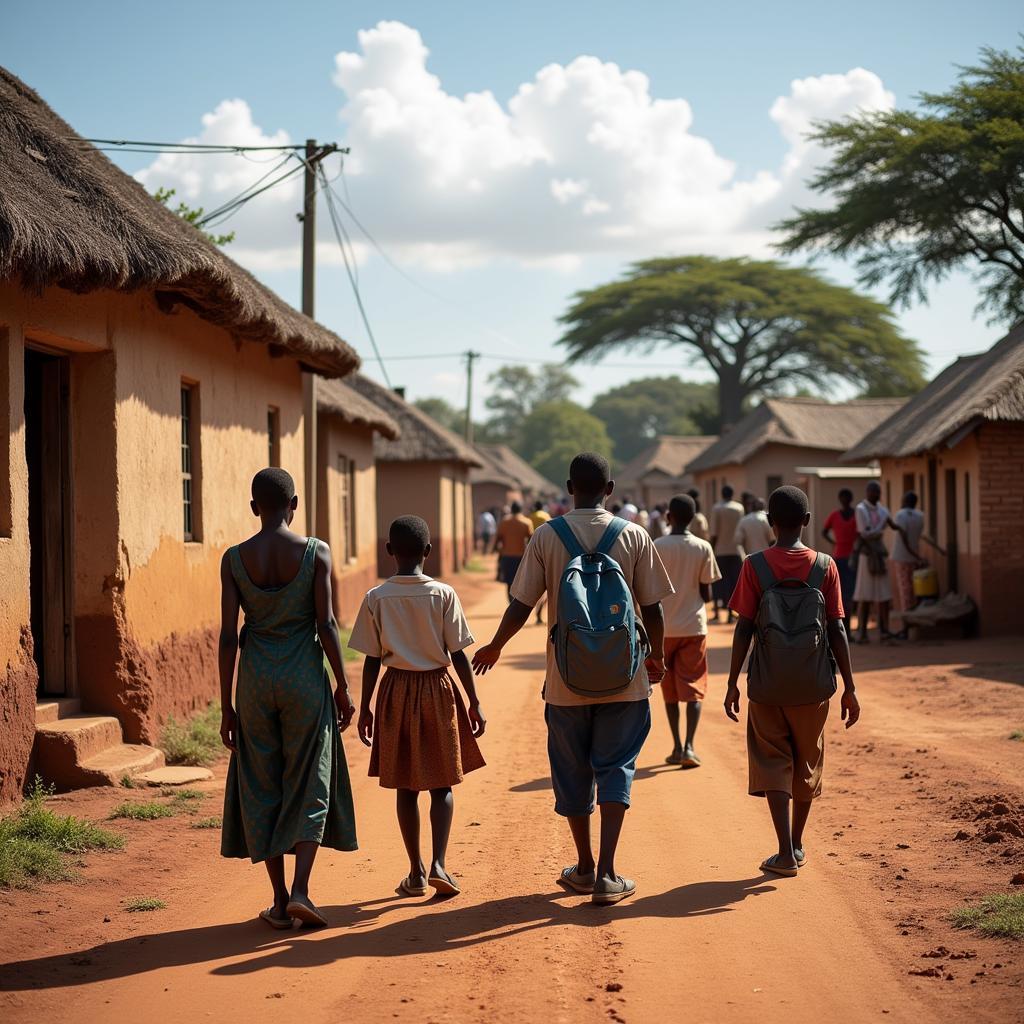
593	750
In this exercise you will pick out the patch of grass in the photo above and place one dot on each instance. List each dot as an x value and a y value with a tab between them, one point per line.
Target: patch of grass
128	781
213	822
144	903
345	632
35	842
195	742
1001	914
142	812
1017	734
182	794
478	564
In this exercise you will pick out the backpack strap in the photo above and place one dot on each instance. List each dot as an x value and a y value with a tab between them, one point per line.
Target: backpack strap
816	577
611	535
567	537
765	576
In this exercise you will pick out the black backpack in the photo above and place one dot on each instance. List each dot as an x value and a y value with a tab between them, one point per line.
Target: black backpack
791	662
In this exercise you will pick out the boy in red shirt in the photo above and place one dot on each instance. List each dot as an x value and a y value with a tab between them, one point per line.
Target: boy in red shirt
841	532
786	738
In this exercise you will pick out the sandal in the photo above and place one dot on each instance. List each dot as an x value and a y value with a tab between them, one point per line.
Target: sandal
578	881
606	893
275	922
769	864
444	885
302	908
412	890
674	758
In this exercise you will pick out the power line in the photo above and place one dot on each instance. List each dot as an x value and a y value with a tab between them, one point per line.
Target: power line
187	147
226	210
339	234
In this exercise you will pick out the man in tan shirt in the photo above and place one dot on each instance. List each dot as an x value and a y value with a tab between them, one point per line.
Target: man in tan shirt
725	517
593	743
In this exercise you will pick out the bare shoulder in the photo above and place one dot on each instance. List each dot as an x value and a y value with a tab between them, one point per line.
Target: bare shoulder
323	552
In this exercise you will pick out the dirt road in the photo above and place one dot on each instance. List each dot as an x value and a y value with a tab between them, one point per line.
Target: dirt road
708	938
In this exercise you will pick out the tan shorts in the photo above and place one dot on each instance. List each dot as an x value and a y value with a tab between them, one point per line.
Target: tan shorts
686	669
786	748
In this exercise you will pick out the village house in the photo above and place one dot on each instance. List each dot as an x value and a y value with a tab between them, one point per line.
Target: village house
658	473
423	472
959	444
145	378
764	450
347	489
504	477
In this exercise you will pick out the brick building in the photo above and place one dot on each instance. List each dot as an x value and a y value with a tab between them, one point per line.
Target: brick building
960	445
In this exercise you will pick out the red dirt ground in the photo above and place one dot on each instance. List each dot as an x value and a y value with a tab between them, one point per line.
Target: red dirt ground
903	834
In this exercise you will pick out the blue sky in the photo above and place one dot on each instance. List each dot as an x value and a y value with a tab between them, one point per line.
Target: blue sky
499	210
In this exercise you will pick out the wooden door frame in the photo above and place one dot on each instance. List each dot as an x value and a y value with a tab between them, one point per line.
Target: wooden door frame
67	524
952	542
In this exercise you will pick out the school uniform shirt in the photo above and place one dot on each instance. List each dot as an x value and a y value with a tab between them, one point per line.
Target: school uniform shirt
725	517
689	562
844	531
541	573
699	526
411	622
753	533
786	563
513	533
911	520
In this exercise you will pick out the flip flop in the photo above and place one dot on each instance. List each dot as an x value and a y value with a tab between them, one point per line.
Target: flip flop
304	910
445	886
801	857
607	893
693	761
769	865
674	758
578	881
412	890
275	922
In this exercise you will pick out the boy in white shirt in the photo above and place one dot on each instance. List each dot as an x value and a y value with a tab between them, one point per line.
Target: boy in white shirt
692	568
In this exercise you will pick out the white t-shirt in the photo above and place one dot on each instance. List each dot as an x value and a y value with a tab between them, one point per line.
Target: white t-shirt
486	523
689	562
911	520
753	533
411	622
871	519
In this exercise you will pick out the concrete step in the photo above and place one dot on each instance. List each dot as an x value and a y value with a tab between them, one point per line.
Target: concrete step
52	709
61	747
110	766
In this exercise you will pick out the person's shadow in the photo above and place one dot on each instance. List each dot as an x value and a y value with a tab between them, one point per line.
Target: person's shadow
350	934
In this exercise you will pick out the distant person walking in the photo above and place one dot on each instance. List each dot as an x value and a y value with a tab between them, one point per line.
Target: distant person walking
872	587
906	552
725	517
691	566
753	531
486	526
594	737
539	516
699	523
657	523
841	532
514	531
287	790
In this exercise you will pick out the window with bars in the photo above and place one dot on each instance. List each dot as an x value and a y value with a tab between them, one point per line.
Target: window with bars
273	436
347	506
189	461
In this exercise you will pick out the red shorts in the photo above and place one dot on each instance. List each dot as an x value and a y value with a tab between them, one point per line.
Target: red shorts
686	669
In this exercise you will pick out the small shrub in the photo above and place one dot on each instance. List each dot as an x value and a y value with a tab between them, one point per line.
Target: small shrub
142	812
214	822
1001	914
35	842
144	903
128	782
1017	734
195	742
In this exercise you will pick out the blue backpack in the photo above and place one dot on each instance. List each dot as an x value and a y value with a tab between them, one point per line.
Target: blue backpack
599	645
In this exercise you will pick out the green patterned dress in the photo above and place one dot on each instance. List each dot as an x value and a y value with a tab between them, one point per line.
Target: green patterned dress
288	781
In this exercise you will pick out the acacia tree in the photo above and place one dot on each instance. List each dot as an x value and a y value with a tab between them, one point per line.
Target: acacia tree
917	195
761	326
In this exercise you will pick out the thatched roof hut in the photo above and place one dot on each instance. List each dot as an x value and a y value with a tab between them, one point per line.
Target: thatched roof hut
989	386
422	438
798	423
336	398
69	217
503	465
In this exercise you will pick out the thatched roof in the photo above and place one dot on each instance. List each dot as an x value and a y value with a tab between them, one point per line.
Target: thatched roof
800	422
422	439
669	455
502	465
974	388
336	398
70	217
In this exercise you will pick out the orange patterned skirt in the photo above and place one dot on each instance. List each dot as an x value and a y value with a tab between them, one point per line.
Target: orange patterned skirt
422	738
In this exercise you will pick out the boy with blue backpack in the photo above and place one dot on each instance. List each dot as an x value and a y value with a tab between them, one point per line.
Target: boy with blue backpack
789	602
604	582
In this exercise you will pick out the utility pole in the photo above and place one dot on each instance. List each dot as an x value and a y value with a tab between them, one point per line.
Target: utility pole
471	358
314	154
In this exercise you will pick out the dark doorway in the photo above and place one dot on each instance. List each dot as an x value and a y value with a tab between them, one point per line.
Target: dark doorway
49	510
952	552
